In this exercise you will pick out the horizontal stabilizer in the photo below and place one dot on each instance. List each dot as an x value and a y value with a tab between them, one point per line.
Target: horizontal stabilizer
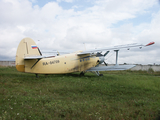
111	68
37	57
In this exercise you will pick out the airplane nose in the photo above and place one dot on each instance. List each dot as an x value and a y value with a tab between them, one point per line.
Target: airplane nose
101	59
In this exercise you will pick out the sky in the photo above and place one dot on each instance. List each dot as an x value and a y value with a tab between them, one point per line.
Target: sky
68	25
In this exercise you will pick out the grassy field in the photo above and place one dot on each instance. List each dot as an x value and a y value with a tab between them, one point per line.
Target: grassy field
115	96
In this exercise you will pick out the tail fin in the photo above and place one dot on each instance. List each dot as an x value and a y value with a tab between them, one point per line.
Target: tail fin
27	47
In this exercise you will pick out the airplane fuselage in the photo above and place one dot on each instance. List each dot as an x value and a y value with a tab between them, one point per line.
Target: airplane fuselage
61	64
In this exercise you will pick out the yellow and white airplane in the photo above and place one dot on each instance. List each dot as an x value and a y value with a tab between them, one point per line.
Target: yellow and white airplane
29	59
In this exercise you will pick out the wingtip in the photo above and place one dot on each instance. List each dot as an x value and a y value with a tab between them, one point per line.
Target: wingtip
151	43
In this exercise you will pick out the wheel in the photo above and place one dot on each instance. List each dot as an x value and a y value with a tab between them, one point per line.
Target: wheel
37	76
100	74
82	74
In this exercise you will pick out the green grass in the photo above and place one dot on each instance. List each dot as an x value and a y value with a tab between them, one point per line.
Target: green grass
117	95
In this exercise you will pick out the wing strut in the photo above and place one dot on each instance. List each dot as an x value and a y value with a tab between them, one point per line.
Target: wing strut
35	63
116	56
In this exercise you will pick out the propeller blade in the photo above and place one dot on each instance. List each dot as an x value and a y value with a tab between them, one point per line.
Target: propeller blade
105	63
106	53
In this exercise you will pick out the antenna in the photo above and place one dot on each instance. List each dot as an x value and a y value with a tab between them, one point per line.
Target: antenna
84	46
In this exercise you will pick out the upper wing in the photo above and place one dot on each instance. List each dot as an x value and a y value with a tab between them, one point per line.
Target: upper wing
111	68
115	48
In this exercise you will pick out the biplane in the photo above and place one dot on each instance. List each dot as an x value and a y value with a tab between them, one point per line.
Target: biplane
29	59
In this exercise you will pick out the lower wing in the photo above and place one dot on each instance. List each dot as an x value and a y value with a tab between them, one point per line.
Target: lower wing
111	68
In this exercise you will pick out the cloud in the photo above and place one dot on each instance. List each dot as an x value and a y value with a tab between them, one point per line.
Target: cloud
96	26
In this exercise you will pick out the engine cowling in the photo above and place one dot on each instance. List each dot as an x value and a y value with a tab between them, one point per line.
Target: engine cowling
101	58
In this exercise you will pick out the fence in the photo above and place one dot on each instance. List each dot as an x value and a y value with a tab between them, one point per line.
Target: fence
7	63
156	68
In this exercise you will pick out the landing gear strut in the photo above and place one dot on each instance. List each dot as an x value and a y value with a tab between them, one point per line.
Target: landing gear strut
97	73
82	73
37	76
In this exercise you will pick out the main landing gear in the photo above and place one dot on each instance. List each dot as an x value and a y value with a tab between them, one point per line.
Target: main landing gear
97	73
82	73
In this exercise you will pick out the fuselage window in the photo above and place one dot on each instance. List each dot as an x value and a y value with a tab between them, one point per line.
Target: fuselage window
84	59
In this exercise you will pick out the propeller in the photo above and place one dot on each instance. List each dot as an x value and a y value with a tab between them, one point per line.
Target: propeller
102	57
